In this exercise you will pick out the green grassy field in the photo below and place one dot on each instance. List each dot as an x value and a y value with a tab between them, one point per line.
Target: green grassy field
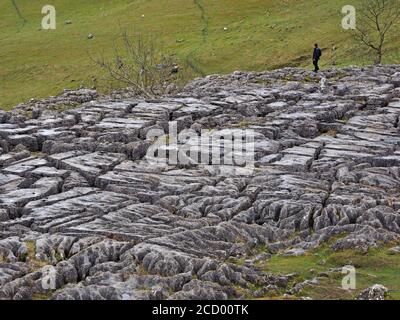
260	35
376	266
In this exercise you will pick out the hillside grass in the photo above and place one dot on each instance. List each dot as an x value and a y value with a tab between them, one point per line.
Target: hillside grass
261	35
376	266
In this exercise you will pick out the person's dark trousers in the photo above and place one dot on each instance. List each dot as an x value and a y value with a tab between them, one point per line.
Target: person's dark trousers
315	62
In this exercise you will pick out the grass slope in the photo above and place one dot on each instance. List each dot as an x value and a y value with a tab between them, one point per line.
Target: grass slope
377	266
261	34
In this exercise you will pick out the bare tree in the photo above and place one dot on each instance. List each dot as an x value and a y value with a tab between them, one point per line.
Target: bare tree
14	3
374	21
139	64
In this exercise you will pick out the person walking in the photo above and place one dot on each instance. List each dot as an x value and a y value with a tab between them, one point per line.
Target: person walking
316	56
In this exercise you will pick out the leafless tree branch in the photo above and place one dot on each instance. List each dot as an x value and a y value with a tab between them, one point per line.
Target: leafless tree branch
374	21
138	64
18	11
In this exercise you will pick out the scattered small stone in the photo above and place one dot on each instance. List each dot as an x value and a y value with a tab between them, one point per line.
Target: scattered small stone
295	252
323	275
394	250
175	69
263	256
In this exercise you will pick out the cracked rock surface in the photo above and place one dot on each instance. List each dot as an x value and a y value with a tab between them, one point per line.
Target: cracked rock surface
83	215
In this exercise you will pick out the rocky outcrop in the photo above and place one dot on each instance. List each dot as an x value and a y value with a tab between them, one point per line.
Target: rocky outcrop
85	215
376	292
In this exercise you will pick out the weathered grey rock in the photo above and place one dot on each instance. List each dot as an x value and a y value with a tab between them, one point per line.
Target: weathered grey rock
12	249
376	292
200	290
74	180
4	215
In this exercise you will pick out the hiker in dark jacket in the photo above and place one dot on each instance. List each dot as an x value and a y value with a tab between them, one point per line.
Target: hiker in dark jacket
316	56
